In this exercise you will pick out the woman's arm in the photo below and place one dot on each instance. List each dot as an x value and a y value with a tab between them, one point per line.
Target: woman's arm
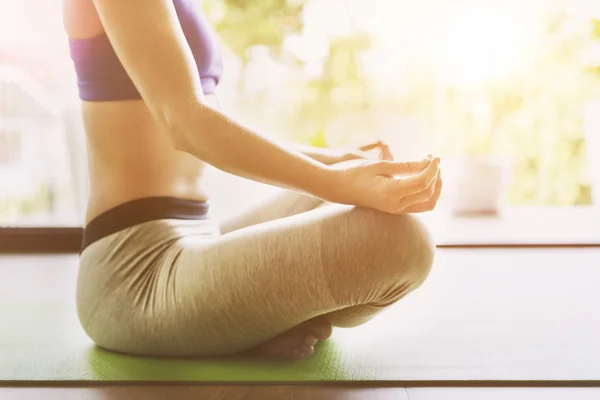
323	155
150	44
335	155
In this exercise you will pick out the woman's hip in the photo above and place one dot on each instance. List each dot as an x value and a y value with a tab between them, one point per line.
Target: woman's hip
126	281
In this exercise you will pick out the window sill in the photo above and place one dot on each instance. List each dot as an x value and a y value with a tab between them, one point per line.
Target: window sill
515	227
518	226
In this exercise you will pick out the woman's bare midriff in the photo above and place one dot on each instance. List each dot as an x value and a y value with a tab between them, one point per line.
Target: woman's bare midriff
130	158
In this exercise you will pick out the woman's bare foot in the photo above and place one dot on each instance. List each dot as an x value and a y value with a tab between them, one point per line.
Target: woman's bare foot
298	342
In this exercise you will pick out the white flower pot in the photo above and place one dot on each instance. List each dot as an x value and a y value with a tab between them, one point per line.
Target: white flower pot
476	185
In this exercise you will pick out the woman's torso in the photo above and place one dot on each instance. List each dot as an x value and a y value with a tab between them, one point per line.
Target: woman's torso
128	156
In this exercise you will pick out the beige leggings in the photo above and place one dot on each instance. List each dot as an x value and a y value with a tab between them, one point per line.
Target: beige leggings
194	288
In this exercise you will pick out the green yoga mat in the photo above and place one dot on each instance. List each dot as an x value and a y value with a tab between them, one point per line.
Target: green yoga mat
482	316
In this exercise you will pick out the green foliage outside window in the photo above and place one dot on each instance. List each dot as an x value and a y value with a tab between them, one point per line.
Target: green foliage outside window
533	117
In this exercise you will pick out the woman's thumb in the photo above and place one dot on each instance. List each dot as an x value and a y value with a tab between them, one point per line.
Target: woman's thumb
402	168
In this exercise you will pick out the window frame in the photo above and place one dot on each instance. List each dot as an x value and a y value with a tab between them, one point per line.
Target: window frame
32	240
36	240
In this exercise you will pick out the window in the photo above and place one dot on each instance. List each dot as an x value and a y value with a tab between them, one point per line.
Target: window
11	151
507	93
38	185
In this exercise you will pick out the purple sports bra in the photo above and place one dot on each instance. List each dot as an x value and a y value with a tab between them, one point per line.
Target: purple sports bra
101	77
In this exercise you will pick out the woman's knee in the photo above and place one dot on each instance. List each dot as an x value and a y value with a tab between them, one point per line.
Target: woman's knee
414	248
396	247
421	250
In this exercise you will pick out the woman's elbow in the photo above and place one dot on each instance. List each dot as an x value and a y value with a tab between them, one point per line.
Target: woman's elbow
176	119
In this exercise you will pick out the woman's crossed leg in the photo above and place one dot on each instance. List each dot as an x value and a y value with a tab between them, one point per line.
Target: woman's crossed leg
283	272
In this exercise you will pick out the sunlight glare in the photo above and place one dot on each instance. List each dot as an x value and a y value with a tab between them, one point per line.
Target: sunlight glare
468	42
484	43
33	26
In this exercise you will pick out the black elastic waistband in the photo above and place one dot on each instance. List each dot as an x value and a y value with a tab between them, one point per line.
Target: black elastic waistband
139	211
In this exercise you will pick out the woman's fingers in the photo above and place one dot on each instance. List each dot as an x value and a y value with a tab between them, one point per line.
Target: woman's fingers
385	152
420	182
418	198
430	203
369	147
406	168
399	194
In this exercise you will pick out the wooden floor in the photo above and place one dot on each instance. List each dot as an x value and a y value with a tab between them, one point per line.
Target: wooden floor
294	392
40	283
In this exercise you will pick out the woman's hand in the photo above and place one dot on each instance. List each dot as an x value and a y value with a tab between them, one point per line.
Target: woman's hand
365	153
391	187
330	156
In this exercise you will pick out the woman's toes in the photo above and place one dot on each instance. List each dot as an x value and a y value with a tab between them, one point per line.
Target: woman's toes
307	350
297	353
311	339
323	330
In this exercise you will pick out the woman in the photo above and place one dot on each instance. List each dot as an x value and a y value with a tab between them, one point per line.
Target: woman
157	275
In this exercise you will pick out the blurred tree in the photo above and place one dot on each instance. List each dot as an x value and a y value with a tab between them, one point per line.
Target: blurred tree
342	87
533	117
596	28
243	24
